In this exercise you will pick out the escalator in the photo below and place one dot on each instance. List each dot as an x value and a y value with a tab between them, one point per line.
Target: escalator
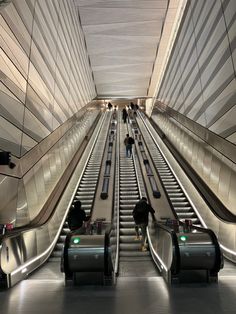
132	261
88	184
173	253
165	245
178	253
178	200
24	252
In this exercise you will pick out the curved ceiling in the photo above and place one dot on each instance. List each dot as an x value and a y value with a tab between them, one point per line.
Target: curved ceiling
122	39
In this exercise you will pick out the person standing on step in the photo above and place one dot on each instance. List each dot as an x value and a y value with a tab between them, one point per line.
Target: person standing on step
141	214
76	218
124	115
129	141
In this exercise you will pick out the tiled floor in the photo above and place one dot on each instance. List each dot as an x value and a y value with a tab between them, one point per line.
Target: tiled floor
44	292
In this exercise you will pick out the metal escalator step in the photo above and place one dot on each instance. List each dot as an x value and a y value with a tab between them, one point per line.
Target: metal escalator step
86	201
128	182
175	194
59	246
195	221
172	187
186	215
135	258
130	206
86	206
62	238
177	199
128	188
65	231
137	253
128	224
166	176
130	246
92	171
185	208
164	171
128	239
161	165
127	231
129	201
85	194
85	185
169	180
86	189
126	218
126	206
169	184
124	193
88	181
126	212
56	254
129	196
180	204
84	197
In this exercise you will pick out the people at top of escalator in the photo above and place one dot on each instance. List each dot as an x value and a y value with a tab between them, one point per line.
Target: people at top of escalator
76	217
141	215
109	106
128	141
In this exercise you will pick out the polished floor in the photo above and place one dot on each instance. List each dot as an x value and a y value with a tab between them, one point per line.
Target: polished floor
44	292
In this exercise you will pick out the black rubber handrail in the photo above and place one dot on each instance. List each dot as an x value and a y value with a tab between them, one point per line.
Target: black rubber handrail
175	267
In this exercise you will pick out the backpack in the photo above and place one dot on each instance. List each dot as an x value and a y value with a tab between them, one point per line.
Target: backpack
130	140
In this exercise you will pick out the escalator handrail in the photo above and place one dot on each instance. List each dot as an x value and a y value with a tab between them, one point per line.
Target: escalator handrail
219	256
175	266
117	176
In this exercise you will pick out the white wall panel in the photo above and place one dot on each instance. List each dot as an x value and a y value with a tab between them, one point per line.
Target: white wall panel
45	79
204	52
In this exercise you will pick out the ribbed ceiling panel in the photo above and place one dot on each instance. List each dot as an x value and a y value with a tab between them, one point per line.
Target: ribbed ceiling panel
122	39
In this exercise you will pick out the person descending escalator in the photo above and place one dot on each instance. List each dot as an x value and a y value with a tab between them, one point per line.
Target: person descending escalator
140	214
76	218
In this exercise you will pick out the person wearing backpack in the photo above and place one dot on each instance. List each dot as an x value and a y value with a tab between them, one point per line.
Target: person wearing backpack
129	141
141	214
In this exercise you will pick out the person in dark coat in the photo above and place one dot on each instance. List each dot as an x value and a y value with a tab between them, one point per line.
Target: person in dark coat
76	217
128	141
141	214
124	115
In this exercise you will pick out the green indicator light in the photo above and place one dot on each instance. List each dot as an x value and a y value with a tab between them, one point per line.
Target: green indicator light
183	238
76	240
